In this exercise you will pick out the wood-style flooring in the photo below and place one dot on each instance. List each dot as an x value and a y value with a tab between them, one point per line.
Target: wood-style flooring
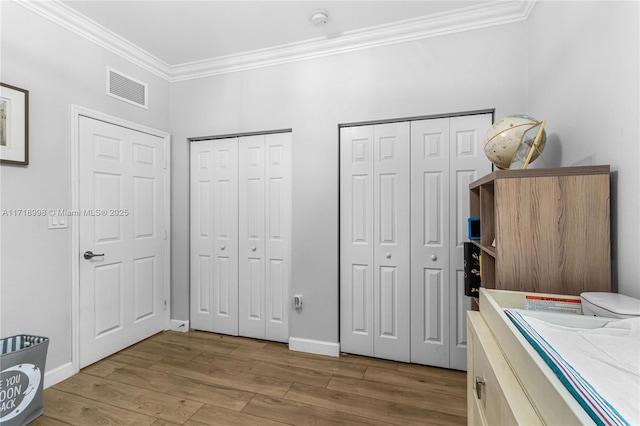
199	378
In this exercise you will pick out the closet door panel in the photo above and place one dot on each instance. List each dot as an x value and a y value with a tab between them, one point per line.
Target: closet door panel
391	214
201	236
278	163
356	240
467	163
430	218
225	236
251	215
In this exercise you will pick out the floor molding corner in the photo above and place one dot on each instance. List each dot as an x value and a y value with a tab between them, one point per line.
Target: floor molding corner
58	374
317	347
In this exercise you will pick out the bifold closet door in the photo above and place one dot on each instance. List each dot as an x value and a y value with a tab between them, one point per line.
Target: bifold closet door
264	207
241	235
374	246
214	235
403	220
430	218
446	156
467	162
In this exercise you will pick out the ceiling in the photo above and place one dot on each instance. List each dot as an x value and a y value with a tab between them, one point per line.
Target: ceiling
181	32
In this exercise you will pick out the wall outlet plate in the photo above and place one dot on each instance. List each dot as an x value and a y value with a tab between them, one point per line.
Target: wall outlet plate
57	222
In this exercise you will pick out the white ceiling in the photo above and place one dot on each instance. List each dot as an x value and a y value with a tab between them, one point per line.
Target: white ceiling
179	32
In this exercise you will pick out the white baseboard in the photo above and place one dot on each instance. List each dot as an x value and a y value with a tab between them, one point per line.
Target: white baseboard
58	374
318	347
178	325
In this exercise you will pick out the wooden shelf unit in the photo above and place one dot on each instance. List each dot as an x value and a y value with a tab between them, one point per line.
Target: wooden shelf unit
550	226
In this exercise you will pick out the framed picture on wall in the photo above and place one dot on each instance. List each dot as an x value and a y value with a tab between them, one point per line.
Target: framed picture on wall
14	125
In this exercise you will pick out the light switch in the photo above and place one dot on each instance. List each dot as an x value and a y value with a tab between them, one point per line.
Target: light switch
57	222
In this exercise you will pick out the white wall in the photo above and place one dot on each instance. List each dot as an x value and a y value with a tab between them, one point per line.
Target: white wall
59	69
440	75
584	75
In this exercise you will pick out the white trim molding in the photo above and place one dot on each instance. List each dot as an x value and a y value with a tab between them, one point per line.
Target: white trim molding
488	14
317	347
58	374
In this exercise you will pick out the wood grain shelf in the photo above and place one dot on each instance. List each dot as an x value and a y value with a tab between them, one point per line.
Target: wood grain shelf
550	228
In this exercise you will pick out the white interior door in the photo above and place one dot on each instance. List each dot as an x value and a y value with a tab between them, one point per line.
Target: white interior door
265	235
391	282
241	235
374	223
251	240
381	314
430	218
467	163
214	236
356	240
278	208
121	221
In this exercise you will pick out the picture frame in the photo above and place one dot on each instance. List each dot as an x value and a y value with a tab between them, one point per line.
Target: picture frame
14	125
528	145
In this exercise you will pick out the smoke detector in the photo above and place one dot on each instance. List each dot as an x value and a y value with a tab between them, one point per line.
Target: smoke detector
319	18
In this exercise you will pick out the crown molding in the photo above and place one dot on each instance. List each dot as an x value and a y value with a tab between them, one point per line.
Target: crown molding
494	13
491	14
68	18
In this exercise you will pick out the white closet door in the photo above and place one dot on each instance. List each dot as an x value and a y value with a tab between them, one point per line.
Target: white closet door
417	314
430	219
277	235
467	163
264	211
225	236
201	238
214	236
374	247
241	235
356	240
391	237
251	213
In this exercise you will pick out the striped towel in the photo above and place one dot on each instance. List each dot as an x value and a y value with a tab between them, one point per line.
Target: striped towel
599	367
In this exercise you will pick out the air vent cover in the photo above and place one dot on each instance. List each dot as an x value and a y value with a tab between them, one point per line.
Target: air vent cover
126	88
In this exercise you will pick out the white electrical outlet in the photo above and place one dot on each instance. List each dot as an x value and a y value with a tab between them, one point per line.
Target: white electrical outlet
297	301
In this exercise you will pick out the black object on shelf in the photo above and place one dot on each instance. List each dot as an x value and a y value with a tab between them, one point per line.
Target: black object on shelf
472	281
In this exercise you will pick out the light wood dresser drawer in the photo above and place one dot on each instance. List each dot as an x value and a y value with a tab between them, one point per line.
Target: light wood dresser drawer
494	395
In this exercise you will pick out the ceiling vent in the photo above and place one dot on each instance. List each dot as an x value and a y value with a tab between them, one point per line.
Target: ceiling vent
126	89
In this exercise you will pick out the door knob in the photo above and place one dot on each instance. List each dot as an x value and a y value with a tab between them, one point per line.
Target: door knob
388	255
222	247
253	248
90	255
434	257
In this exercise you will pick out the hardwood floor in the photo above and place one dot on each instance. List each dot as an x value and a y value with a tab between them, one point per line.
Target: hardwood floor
200	378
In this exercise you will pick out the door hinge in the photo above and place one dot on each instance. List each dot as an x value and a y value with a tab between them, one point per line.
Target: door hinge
165	235
164	164
165	304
